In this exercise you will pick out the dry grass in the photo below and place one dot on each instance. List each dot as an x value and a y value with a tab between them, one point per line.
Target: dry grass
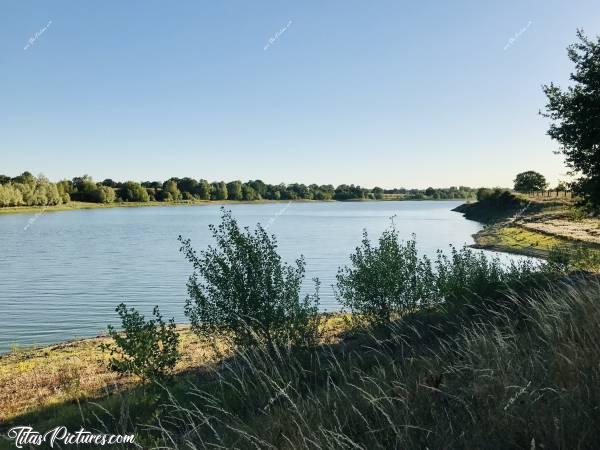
32	379
525	379
35	378
584	230
523	373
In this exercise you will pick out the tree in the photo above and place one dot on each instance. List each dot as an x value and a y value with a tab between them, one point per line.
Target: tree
65	188
384	281
234	190
203	190
259	187
378	193
145	348
218	191
248	193
188	185
10	195
133	192
104	194
170	187
108	182
530	181
25	178
241	288
575	113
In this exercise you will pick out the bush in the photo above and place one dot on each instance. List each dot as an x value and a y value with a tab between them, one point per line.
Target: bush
468	277
147	349
241	288
384	281
577	257
133	192
390	280
103	194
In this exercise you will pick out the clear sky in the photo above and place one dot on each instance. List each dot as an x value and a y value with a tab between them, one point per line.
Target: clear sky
388	93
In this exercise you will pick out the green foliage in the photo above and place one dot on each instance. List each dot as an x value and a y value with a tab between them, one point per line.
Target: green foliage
378	193
351	192
171	191
469	277
575	115
133	192
84	189
27	190
234	190
218	191
242	289
493	205
391	280
147	349
10	195
385	281
576	257
203	190
104	194
530	181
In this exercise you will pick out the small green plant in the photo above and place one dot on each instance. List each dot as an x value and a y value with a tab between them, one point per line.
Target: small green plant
147	349
240	289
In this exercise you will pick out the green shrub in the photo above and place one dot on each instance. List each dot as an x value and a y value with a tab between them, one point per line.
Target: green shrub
578	257
467	276
241	289
385	281
144	348
390	280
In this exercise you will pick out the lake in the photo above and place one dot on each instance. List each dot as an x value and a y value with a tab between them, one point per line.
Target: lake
63	273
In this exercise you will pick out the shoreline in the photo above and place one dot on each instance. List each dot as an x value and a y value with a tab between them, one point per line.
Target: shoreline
536	231
76	206
75	370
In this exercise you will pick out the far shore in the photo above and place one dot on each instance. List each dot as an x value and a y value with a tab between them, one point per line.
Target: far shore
74	205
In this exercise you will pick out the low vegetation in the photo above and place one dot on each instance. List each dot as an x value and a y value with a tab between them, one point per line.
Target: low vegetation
146	348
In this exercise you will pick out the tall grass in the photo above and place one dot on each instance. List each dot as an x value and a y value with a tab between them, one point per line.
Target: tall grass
526	376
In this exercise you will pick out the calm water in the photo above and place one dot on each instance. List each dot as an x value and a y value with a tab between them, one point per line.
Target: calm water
63	273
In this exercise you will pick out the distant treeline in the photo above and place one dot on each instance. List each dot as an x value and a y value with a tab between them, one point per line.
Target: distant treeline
28	190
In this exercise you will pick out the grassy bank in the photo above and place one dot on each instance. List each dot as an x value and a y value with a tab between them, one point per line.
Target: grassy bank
42	377
537	227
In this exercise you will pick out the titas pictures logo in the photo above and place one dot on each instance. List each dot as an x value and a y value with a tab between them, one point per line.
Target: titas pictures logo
56	437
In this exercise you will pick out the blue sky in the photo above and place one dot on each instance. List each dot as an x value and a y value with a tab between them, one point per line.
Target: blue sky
387	93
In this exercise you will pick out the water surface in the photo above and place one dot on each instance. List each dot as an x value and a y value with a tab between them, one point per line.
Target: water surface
63	273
